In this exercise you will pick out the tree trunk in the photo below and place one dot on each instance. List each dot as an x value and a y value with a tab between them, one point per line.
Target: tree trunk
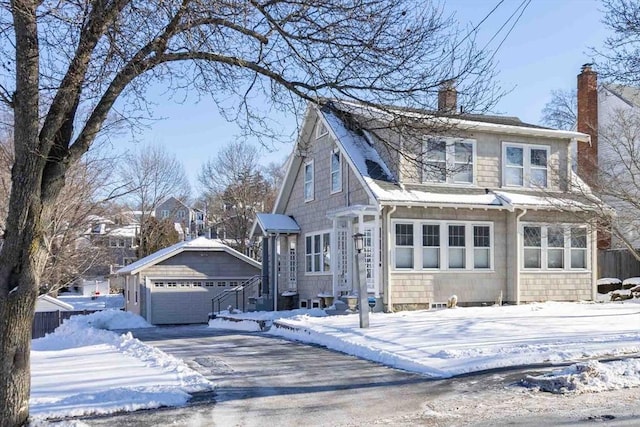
15	345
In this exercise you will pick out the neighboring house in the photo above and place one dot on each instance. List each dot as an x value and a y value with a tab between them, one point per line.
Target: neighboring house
604	111
191	220
487	218
176	285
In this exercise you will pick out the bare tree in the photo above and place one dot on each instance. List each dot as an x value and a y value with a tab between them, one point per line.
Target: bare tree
66	66
150	176
619	59
561	111
236	189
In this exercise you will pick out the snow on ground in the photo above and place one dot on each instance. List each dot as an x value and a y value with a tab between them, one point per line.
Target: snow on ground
443	343
250	321
84	368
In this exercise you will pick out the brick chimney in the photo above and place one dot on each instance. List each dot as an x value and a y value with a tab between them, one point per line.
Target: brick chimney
447	97
588	122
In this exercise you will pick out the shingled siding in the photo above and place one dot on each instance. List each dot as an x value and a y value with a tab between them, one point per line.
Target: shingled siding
312	215
555	286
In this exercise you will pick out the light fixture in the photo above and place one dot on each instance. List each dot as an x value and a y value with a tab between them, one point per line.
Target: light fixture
358	240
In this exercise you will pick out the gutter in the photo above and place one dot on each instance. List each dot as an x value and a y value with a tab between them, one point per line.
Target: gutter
518	260
388	263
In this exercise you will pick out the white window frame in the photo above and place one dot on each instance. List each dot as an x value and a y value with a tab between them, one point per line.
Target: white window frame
469	248
323	257
568	249
321	129
527	167
308	183
181	214
337	172
450	161
164	213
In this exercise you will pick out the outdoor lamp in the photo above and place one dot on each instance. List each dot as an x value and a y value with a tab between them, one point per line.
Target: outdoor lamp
358	240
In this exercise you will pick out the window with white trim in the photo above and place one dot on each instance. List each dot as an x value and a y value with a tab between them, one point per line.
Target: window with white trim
457	256
318	253
554	247
321	129
525	165
445	245
431	246
336	171
449	160
308	181
404	246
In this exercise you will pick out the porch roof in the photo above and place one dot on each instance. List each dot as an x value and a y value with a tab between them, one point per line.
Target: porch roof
276	224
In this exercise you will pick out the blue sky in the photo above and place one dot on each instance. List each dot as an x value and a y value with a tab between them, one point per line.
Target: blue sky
544	51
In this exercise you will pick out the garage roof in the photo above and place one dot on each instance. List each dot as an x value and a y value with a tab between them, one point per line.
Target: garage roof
199	244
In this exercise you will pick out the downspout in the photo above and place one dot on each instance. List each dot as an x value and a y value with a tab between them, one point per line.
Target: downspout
518	256
594	263
388	263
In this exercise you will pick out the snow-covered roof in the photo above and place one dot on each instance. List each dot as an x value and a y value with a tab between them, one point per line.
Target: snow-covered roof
126	231
199	244
276	223
61	305
384	188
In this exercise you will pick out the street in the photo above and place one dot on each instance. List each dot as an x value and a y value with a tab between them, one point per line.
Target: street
262	380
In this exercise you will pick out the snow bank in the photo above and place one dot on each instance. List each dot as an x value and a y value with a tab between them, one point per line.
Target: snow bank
83	368
589	377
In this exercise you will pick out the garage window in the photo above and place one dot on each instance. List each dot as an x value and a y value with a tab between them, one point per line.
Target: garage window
172	284
159	284
209	284
222	284
197	284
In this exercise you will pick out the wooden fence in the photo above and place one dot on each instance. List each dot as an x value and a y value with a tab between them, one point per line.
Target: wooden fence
46	322
617	263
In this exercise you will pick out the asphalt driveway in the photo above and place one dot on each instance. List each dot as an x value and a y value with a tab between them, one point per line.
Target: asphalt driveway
267	381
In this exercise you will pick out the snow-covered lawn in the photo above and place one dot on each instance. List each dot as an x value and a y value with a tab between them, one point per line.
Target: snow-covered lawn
443	343
100	302
83	368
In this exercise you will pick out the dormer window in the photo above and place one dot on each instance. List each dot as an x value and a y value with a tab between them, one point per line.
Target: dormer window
448	160
525	165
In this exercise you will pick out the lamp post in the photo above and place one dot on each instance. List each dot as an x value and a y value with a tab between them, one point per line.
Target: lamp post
358	240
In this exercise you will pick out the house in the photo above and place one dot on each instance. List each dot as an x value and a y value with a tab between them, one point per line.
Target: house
473	205
176	285
192	221
610	114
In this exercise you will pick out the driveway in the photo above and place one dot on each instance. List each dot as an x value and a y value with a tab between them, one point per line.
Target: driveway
266	381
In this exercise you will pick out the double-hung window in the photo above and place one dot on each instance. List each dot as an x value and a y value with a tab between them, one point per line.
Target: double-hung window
448	161
443	245
336	171
554	247
404	245
525	166
431	246
457	253
318	253
308	181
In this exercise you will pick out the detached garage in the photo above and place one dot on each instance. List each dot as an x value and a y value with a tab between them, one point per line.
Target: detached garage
176	285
